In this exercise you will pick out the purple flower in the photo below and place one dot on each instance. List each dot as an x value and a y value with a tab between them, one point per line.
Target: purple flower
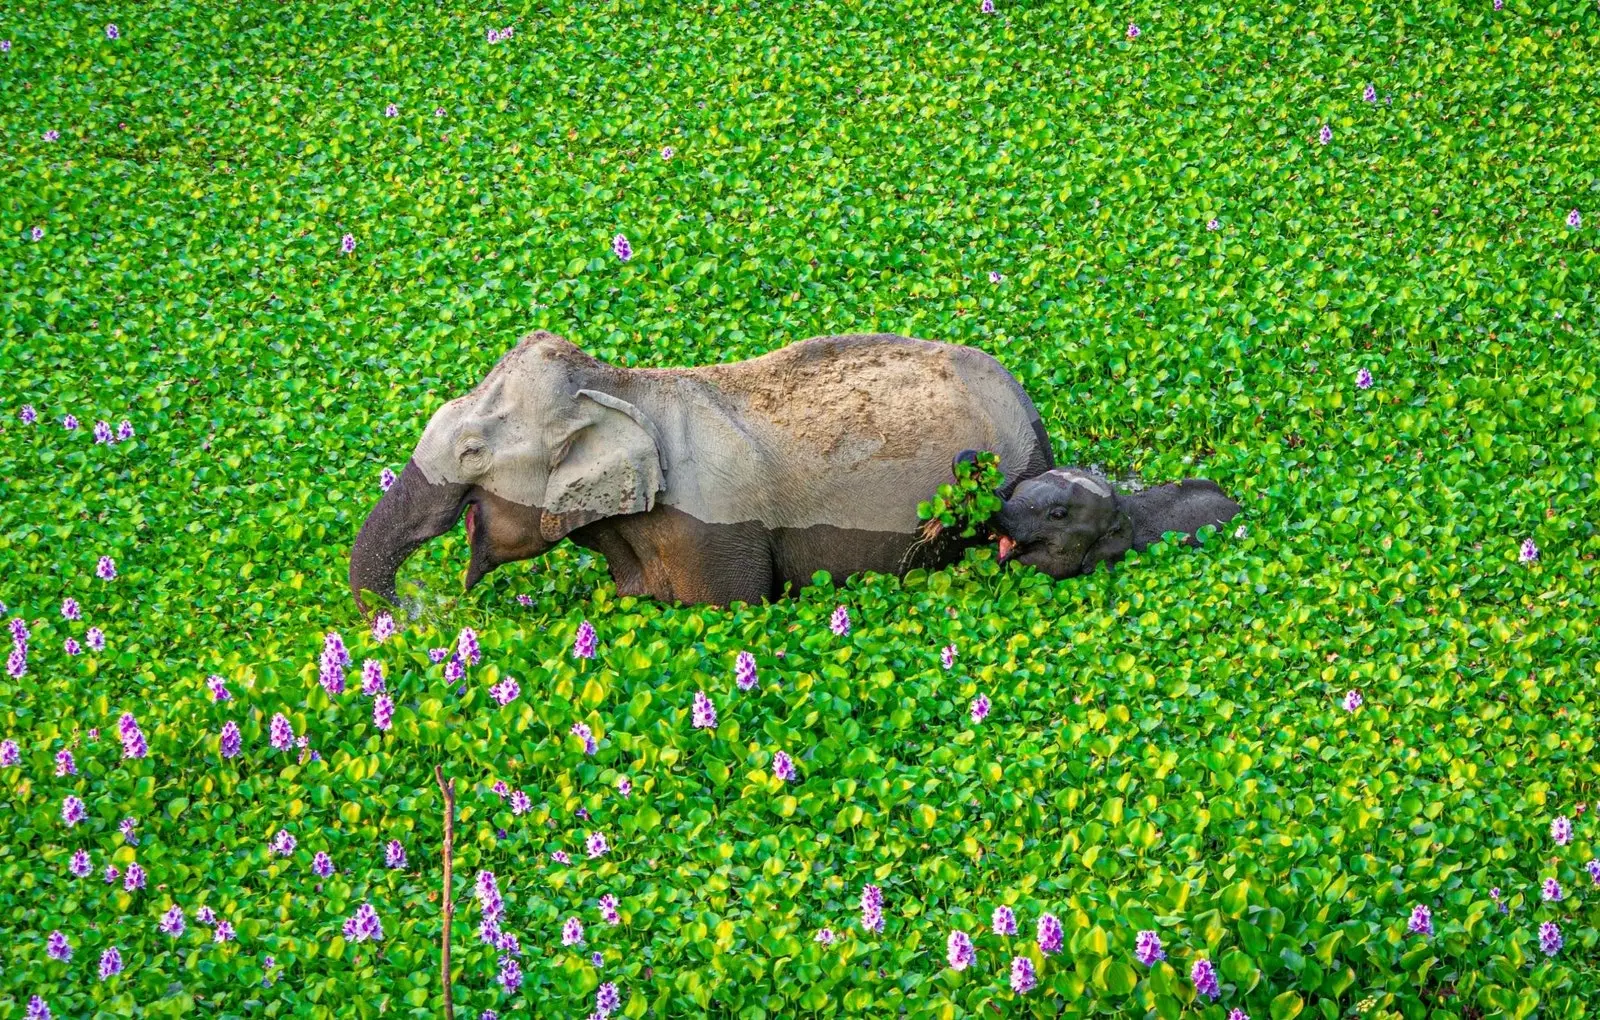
126	827
583	646
1363	380
71	646
524	600
624	785
1147	948
1049	934
386	480
492	36
205	915
1326	134
505	692
987	7
744	671
218	688
72	811
70	609
1352	701
597	959
607	999
54	136
333	648
135	878
96	639
666	152
394	855
572	932
500	788
133	742
17	662
111	32
28	414
520	803
38	235
1421	922
282	843
124	430
80	866
172	921
1499	4
57	947
438	111
1133	31
1550	940
281	734
486	890
1003	922
586	735
19	630
223	933
1574	219
1022	975
1238	1014
608	909
363	925
437	655
383	712
596	845
1593	867
958	949
1204	977
391	110
1370	94
705	713
622	248
980	708
347	244
102	432
454	669
331	675
1213	224
1550	890
783	767
824	936
1529	551
5	45
467	644
839	623
510	976
947	656
11	754
229	743
106	569
321	865
871	908
559	856
383	627
488	1014
110	963
1561	830
371	677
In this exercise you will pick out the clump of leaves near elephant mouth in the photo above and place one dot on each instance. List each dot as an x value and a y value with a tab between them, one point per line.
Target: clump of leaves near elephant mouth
968	501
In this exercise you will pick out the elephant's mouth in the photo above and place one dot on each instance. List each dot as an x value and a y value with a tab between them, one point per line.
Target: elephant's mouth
1008	546
480	562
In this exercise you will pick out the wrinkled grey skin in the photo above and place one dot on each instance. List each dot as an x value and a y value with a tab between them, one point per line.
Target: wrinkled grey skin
704	485
1068	521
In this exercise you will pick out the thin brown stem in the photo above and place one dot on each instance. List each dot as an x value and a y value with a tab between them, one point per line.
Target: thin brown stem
449	791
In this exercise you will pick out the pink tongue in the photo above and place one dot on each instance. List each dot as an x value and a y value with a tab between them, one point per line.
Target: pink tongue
1007	545
471	522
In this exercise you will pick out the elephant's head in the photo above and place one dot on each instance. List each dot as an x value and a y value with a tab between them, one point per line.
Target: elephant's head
1064	522
544	445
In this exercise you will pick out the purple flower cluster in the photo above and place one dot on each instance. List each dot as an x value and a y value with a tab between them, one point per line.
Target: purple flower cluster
383	627
705	713
486	890
572	932
1023	978
839	623
65	766
980	708
824	936
230	740
394	855
1550	891
871	908
335	657
57	947
1593	867
586	735
624	785
363	925
1364	379
321	864
510	975
1421	922
126	827
583	646
1550	941
282	844
467	646
106	569
386	480
134	880
1574	219
11	754
102	432
959	951
1004	921
383	712
1049	934
96	638
595	843
28	414
1561	830
219	688
1147	948
70	609
110	963
223	932
505	692
72	810
172	921
947	656
608	909
80	865
783	767
133	742
607	999
281	733
371	677
521	803
1529	551
621	247
38	1009
744	671
1204	977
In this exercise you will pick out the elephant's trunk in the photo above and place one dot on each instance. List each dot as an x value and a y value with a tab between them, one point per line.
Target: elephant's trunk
411	512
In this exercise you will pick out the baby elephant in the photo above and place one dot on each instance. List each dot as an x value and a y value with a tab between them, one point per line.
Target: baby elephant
1067	521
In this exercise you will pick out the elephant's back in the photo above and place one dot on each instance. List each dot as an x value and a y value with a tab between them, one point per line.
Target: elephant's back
864	425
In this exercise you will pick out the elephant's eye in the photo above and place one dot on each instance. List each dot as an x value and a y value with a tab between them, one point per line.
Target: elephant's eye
473	451
1058	514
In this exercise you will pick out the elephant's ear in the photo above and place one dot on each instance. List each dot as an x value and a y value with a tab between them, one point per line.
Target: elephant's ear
610	464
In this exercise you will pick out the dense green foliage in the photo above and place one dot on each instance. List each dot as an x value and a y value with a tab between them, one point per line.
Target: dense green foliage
970	499
1167	748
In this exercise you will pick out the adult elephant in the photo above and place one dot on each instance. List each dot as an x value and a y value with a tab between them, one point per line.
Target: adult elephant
713	484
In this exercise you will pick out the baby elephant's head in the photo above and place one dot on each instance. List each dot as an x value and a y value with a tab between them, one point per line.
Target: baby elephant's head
1063	522
1068	521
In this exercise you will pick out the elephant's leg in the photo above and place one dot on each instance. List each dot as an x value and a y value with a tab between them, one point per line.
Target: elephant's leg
690	561
626	570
